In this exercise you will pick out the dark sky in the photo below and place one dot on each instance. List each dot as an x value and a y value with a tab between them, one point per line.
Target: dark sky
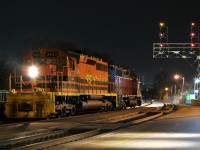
126	28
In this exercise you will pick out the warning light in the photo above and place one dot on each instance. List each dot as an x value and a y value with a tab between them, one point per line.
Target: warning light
192	45
161	35
161	44
193	24
192	34
161	24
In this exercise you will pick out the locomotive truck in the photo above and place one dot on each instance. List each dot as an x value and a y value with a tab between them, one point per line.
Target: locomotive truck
57	83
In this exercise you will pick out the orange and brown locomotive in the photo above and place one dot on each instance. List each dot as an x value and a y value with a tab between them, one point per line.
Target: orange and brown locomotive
56	83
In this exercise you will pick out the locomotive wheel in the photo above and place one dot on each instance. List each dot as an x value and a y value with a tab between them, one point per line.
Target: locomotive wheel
124	107
73	111
106	108
111	107
59	116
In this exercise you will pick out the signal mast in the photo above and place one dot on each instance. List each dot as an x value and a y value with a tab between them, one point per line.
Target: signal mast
164	49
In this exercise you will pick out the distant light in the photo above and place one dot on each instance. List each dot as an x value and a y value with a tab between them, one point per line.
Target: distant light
193	24
196	80
33	71
161	34
161	44
192	45
161	24
176	76
166	89
192	34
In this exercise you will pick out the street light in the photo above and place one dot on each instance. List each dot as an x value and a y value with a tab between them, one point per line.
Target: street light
168	93
179	77
167	89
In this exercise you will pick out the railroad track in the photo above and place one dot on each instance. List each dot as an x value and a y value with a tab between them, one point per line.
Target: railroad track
44	138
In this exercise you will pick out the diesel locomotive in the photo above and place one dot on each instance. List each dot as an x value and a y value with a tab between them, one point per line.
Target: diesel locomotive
57	83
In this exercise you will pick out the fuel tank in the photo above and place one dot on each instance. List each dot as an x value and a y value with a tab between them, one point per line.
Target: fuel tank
92	104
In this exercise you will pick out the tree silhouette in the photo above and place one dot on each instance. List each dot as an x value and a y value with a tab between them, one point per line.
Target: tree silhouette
6	68
160	82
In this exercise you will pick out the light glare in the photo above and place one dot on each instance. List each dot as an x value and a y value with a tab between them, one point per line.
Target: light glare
176	76
161	24
33	71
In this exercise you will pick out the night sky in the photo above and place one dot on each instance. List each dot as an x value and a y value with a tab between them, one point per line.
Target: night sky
126	29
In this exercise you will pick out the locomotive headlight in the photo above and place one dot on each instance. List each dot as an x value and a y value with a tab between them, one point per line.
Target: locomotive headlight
33	71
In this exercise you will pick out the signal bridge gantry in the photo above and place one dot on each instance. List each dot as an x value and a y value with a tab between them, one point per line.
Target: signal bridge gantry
176	50
164	49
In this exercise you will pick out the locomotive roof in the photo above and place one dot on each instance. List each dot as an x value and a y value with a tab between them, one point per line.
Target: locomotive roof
73	54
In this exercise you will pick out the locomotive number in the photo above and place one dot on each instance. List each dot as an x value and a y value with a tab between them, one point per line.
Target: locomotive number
51	54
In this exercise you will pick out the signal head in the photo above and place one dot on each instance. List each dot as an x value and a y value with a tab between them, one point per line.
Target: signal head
192	34
192	45
193	24
161	44
161	35
161	24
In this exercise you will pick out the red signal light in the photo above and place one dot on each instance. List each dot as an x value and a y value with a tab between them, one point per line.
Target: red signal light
161	44
193	24
192	34
192	45
161	34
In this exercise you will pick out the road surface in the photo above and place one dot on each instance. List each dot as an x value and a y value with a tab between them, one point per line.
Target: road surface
179	130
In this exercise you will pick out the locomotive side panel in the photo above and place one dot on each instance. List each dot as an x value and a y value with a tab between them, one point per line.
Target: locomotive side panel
94	73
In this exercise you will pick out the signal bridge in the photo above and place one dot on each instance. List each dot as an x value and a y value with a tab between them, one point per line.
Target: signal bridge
164	49
176	50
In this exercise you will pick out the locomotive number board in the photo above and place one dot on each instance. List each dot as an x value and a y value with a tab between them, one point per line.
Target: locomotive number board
51	54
